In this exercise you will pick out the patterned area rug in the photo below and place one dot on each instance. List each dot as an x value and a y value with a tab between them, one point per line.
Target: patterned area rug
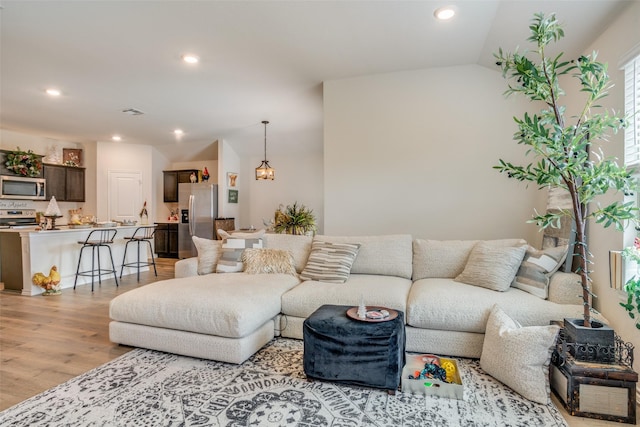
149	388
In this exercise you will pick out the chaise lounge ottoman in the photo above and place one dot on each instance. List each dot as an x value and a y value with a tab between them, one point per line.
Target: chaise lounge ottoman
225	317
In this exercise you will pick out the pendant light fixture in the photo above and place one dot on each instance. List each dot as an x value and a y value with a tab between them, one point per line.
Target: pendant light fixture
264	171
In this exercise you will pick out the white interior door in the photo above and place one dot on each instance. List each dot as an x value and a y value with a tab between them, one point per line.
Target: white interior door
125	195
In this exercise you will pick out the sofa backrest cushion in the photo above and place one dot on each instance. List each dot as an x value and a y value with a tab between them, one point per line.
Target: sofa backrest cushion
386	255
447	258
492	266
298	245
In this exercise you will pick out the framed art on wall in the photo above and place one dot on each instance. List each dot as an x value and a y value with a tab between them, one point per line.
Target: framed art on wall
233	196
72	157
232	179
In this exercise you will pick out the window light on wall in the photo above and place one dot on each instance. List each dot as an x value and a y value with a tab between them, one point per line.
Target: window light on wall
632	112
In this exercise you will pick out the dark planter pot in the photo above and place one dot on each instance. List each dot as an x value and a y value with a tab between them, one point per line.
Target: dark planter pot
596	344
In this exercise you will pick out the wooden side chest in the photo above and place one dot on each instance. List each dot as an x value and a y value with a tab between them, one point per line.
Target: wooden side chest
595	390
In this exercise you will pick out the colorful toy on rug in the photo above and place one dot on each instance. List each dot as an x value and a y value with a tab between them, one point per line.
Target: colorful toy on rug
50	283
434	371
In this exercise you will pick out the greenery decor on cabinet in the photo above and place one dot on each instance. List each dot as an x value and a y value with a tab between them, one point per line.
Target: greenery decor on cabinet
25	163
563	148
294	219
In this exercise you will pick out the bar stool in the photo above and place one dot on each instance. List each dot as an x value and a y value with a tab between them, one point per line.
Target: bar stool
99	238
142	234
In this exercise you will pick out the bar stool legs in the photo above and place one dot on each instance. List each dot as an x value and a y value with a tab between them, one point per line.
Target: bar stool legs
141	234
137	264
95	240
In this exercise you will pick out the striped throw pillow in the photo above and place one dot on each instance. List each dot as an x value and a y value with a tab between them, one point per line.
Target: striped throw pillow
537	266
231	259
330	262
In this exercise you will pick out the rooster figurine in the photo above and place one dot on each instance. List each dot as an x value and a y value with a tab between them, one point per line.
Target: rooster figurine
48	283
205	174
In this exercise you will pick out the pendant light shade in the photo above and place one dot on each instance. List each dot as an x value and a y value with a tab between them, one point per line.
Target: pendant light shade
264	171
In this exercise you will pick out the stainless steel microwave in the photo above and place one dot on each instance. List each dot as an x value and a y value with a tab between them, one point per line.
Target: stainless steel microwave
18	187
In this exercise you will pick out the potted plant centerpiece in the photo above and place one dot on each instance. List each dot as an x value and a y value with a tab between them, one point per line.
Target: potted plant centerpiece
294	219
565	151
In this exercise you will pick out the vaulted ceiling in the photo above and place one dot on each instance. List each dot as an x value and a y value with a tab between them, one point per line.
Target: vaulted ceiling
259	60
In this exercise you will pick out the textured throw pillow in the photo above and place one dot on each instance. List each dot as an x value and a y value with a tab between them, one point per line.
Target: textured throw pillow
330	262
537	266
231	259
492	267
518	356
268	261
208	253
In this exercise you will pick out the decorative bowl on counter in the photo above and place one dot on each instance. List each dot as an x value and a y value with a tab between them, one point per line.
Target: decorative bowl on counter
129	222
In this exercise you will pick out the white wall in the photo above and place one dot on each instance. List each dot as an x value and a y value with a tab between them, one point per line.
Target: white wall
229	161
412	152
121	157
612	46
299	178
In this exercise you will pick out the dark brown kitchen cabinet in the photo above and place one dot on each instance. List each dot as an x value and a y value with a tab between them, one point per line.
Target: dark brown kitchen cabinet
66	183
171	181
166	240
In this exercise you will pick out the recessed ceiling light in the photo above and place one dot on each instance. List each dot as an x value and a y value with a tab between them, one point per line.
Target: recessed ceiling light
190	59
53	92
116	138
178	132
445	13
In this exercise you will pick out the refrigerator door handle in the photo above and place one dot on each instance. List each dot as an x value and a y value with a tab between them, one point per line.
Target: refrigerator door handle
192	224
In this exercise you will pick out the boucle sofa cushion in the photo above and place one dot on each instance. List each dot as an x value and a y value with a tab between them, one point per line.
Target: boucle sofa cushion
298	245
519	356
445	304
385	291
330	262
227	305
447	258
492	267
209	252
268	261
440	258
387	255
536	268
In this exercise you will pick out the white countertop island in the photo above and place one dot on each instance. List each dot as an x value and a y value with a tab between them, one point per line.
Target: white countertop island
25	252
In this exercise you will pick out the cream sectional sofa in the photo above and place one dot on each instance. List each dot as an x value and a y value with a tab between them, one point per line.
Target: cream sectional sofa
229	316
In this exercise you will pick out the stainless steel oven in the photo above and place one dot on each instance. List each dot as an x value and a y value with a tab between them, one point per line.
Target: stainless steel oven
18	187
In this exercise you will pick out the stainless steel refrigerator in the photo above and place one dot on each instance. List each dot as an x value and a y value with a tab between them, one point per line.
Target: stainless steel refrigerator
198	205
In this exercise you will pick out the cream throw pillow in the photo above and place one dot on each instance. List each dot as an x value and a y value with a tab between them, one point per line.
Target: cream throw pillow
518	356
209	252
492	267
258	261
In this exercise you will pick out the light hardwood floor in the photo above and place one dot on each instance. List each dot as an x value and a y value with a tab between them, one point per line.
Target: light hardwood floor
45	341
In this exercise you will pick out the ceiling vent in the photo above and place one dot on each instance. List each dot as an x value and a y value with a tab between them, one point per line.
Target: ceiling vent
133	112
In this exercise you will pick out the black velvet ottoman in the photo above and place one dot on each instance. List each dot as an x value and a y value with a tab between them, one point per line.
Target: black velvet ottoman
338	348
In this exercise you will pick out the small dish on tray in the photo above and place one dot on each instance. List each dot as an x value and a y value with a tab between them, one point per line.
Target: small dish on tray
373	314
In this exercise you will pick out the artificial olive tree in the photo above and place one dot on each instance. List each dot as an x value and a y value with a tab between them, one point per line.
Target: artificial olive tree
567	149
